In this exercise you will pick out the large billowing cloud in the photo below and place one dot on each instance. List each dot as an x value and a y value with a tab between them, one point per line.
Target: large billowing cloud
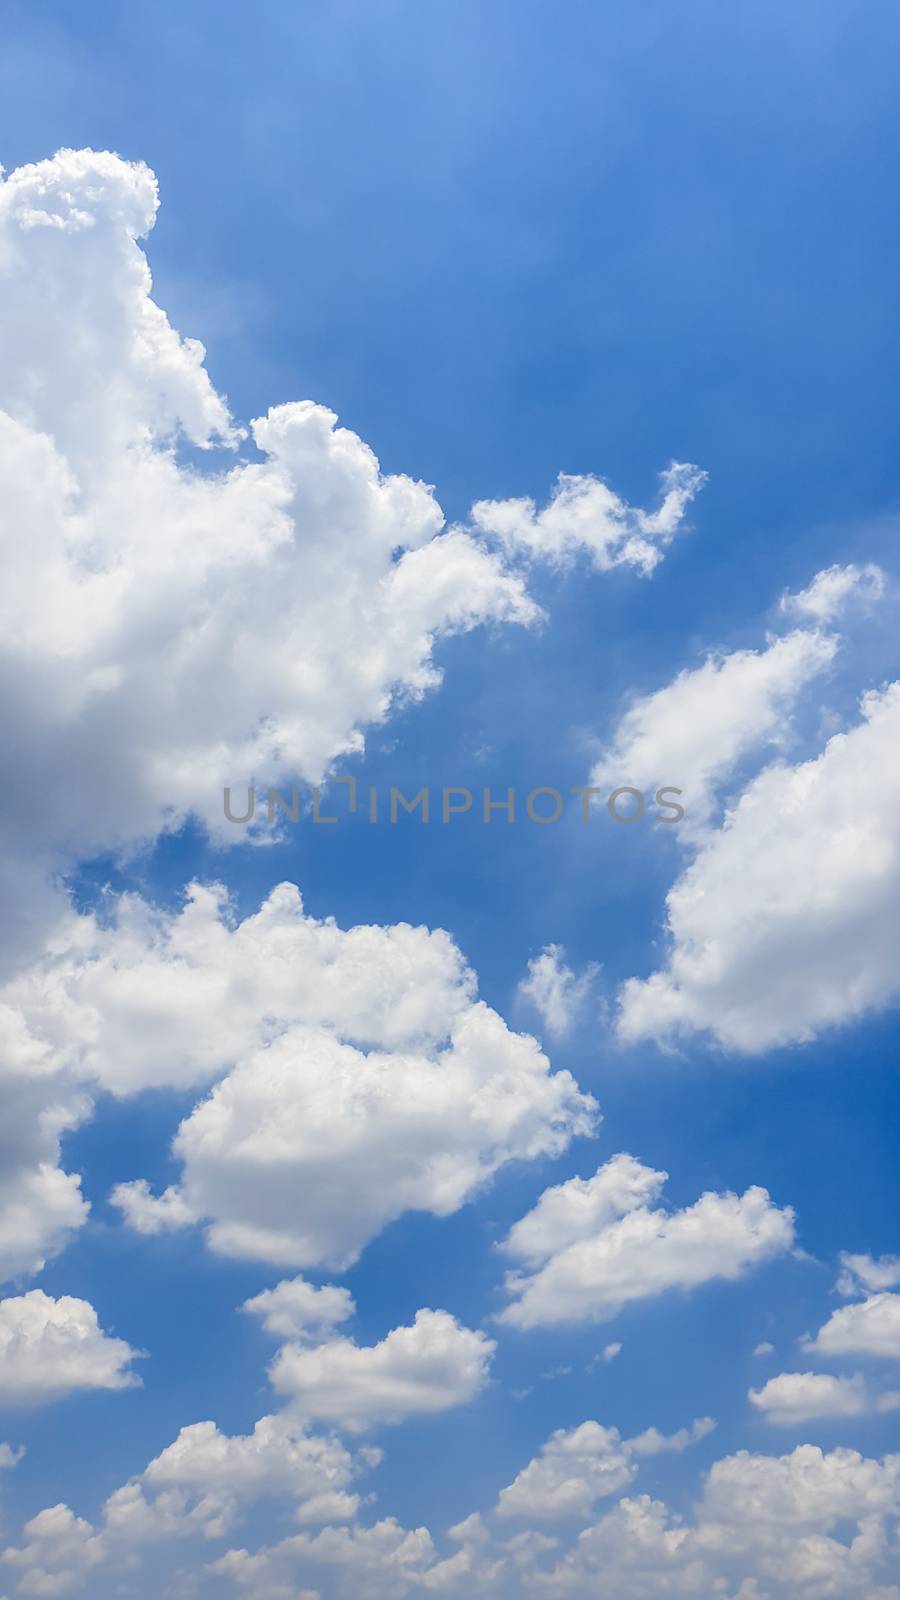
168	629
592	1246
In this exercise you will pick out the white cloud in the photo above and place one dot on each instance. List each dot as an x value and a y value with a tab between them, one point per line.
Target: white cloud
585	516
40	1205
199	1483
578	1467
310	1147
295	1309
313	1020
555	991
385	1560
9	1457
50	1347
694	732
592	1246
296	598
60	1549
148	1213
430	1366
150	998
764	1348
860	1273
832	589
784	924
870	1328
794	1397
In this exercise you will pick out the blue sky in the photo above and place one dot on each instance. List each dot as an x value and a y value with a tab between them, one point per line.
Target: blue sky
501	242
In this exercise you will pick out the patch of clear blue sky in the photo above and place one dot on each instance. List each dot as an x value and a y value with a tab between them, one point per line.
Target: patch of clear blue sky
504	239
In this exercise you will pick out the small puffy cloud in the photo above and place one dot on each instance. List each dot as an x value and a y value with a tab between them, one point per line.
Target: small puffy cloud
795	1397
556	992
296	1309
764	1348
430	1366
869	1328
50	1347
862	1274
9	1457
832	589
591	1246
610	1351
584	516
148	1213
693	733
784	924
579	1466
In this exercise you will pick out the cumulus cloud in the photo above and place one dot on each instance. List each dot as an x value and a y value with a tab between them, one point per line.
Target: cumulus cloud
360	1051
59	1551
430	1366
784	924
296	1309
201	1481
591	1246
296	594
578	1467
766	1528
50	1347
869	1328
693	733
556	992
585	517
148	1213
832	589
794	1397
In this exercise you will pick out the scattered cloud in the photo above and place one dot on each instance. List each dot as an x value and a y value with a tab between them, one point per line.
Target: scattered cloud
429	1366
592	1246
557	994
48	1348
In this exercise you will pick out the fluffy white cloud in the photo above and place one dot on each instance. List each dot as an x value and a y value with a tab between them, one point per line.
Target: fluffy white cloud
430	1366
148	1213
150	998
295	1309
585	516
308	1149
60	1549
49	1347
592	1246
794	1397
784	924
9	1457
201	1481
360	1051
556	992
870	1328
693	733
578	1467
861	1273
382	1561
295	596
831	590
